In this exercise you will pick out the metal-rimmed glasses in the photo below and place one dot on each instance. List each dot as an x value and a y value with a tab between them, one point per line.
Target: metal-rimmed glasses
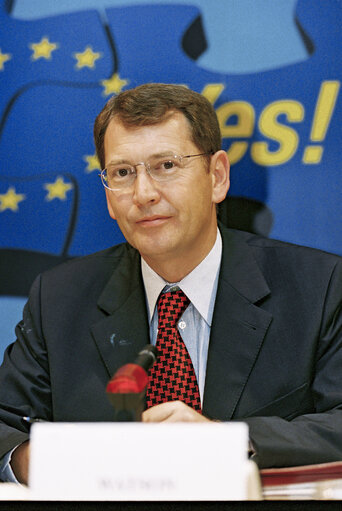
118	176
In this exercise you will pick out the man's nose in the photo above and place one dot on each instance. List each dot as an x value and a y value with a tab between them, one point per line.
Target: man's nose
145	187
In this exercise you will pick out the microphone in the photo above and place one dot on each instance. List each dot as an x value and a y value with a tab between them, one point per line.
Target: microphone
126	389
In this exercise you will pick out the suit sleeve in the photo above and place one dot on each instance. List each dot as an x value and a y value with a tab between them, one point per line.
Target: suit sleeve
314	437
24	377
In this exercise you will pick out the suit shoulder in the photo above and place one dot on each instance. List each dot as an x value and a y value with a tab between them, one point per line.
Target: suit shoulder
83	279
91	266
278	246
273	254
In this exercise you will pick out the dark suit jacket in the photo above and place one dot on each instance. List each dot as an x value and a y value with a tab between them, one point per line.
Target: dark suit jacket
275	353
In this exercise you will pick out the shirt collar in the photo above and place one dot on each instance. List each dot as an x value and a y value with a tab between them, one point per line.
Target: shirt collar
203	277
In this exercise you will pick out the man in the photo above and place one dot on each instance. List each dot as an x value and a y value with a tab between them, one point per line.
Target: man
263	327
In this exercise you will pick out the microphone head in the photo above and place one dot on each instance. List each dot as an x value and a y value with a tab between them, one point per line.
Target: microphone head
132	378
126	389
129	379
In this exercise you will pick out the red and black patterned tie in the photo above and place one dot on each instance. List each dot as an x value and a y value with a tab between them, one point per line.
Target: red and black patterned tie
172	376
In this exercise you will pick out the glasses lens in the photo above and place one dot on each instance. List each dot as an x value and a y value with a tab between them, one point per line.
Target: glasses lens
163	169
117	177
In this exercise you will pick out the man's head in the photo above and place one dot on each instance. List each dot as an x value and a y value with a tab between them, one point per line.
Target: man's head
140	136
152	103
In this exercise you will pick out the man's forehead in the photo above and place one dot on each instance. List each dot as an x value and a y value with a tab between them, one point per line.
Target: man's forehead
172	133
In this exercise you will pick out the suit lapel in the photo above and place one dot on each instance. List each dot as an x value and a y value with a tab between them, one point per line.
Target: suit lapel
238	328
121	334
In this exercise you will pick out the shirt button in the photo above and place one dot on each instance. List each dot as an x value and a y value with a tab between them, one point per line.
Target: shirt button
182	324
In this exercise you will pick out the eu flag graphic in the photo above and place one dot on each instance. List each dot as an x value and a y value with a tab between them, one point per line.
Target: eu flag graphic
272	72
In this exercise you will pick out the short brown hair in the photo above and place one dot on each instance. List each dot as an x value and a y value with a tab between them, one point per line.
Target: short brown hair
150	103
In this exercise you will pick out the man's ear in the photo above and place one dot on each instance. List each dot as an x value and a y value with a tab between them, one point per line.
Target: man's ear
219	168
109	204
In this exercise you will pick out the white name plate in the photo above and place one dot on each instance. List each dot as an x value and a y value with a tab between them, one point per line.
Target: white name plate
137	461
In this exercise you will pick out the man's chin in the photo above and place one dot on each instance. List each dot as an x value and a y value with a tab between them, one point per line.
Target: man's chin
156	249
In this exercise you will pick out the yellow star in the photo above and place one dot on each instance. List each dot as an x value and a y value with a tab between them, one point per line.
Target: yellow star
58	189
43	49
87	58
93	162
10	200
4	57
114	85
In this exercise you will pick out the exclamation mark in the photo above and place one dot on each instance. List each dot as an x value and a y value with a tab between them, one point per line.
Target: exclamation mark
324	109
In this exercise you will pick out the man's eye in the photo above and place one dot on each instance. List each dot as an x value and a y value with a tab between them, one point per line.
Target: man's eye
119	173
122	172
168	165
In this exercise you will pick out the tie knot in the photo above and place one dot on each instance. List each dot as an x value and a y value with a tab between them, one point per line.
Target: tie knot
171	306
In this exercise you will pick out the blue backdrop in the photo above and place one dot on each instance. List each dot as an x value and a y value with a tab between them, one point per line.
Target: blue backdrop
272	70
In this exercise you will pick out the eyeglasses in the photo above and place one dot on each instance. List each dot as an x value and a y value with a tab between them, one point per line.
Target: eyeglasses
118	176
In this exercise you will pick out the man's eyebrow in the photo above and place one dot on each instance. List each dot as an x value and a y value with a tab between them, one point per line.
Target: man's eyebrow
118	162
164	153
122	161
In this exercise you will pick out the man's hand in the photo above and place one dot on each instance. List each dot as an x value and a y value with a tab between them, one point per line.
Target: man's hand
172	411
20	462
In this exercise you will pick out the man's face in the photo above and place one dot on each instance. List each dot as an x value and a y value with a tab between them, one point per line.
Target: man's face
164	221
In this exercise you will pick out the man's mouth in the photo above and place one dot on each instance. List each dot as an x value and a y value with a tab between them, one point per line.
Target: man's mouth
152	221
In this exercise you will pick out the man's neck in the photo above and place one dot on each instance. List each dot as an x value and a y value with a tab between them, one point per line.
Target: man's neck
172	272
176	268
